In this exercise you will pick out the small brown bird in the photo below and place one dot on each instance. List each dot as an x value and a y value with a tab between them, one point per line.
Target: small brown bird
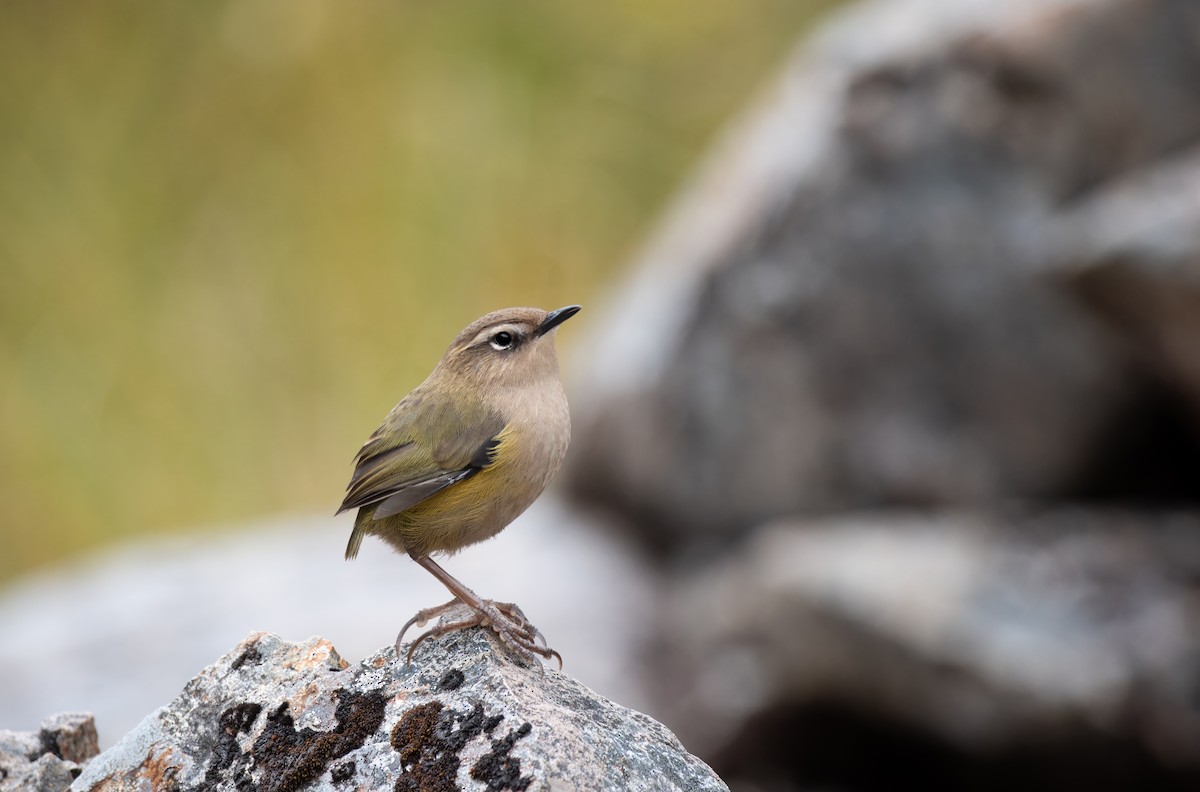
465	453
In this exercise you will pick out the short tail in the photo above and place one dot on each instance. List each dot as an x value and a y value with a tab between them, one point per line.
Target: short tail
356	537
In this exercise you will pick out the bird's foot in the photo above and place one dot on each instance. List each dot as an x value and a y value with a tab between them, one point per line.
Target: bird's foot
503	618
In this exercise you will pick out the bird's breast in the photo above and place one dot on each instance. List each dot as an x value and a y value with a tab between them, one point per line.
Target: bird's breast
534	442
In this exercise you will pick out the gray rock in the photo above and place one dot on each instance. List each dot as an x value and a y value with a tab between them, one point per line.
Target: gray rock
1133	252
49	759
851	304
121	632
71	736
274	715
994	635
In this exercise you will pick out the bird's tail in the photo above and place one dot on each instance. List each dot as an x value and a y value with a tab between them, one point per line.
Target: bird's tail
356	537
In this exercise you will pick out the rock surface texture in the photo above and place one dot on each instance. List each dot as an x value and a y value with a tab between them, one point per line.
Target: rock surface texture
274	716
1133	252
49	759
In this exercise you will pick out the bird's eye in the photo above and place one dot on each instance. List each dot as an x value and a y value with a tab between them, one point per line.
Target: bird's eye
502	340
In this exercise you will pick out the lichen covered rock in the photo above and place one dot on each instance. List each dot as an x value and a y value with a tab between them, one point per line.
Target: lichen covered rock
273	715
49	759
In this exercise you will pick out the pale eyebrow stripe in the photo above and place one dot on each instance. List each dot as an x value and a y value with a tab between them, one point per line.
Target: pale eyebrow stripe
487	333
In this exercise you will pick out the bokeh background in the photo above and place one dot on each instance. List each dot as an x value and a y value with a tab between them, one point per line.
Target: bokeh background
233	234
886	392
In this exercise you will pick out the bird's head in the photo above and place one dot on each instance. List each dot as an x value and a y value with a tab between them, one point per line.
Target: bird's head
509	347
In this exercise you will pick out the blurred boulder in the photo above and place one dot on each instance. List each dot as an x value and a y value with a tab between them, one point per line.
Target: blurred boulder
853	304
989	651
274	715
1133	252
49	759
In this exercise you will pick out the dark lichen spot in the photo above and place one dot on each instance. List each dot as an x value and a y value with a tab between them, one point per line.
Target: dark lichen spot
343	772
239	719
451	680
429	739
250	655
421	764
414	730
498	768
290	758
230	723
491	723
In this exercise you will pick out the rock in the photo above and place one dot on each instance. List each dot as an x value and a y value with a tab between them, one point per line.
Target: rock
71	736
121	632
274	715
1133	252
1062	639
51	758
853	304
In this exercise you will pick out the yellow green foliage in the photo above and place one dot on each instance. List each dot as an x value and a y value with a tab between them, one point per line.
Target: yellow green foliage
233	234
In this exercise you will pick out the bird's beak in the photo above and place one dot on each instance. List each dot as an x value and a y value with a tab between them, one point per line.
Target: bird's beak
555	318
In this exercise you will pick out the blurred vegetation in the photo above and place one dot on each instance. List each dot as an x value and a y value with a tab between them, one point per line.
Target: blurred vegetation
233	234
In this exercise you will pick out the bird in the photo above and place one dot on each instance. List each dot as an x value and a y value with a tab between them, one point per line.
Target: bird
461	456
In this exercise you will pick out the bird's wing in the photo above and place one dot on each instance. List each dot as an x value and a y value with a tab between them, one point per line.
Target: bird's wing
398	468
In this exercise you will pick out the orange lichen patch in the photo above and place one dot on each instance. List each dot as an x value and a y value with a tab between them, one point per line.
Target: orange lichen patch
160	771
312	656
300	702
379	662
251	641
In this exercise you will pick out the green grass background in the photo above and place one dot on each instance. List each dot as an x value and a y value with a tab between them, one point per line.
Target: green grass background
233	234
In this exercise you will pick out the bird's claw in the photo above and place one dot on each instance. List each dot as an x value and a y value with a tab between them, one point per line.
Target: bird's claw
505	619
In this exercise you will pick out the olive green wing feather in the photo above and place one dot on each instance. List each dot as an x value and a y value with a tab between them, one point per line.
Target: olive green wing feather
398	467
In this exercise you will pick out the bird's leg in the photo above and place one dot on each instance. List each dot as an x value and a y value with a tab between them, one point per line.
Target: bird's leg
512	618
504	618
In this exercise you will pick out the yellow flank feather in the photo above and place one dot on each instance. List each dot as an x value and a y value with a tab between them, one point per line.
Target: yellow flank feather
471	510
